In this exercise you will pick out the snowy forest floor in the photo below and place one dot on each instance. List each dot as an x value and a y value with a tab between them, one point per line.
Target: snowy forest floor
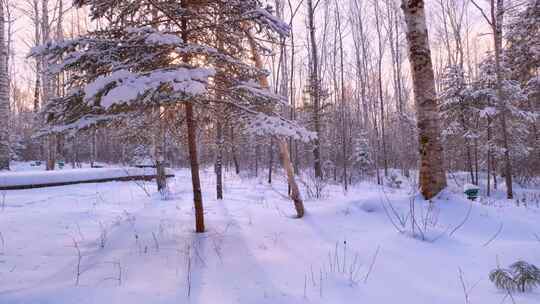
136	248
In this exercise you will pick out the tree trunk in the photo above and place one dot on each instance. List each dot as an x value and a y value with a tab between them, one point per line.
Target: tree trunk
233	152
195	178
270	160
192	144
219	159
51	152
159	153
489	168
380	87
93	152
293	186
344	134
315	89
431	174
4	98
50	142
497	22
283	146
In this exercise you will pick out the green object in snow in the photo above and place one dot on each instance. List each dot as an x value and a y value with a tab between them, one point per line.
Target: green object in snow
472	194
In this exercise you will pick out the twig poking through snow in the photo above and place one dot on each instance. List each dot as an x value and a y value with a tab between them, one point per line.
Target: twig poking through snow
80	232
494	236
320	283
79	259
463	286
466	290
3	200
3	249
305	286
118	277
372	264
156	243
188	269
464	220
102	235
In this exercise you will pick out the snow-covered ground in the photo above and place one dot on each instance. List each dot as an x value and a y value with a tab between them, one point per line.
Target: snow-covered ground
136	248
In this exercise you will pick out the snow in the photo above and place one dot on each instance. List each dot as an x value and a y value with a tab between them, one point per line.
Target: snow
255	90
263	125
163	39
128	86
263	16
468	187
254	250
26	178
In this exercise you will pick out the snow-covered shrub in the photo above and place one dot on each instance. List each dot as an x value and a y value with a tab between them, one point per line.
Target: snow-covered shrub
314	187
521	276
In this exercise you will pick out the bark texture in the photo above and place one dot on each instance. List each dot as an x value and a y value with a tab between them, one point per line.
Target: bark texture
47	89
219	159
432	175
295	191
283	145
159	153
4	98
192	144
194	161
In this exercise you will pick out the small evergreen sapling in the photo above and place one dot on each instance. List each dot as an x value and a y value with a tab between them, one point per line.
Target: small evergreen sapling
521	277
361	154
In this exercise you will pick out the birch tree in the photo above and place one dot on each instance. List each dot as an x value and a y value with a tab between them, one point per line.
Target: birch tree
432	176
4	96
283	146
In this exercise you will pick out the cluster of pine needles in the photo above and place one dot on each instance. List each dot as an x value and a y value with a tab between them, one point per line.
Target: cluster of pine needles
521	277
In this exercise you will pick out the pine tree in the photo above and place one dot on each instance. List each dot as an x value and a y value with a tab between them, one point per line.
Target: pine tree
361	155
523	59
161	57
517	115
459	113
128	67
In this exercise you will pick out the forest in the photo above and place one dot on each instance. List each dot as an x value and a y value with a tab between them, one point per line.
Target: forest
280	151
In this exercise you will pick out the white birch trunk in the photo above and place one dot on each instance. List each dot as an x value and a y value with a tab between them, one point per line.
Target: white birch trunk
50	142
4	98
432	175
283	145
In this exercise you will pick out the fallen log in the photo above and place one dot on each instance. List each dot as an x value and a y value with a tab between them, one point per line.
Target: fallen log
42	179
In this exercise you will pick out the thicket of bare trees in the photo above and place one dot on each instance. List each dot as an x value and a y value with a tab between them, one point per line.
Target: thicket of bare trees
379	96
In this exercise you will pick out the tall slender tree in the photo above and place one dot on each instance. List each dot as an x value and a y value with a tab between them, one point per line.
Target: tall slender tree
432	174
495	19
4	96
47	90
282	142
315	89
